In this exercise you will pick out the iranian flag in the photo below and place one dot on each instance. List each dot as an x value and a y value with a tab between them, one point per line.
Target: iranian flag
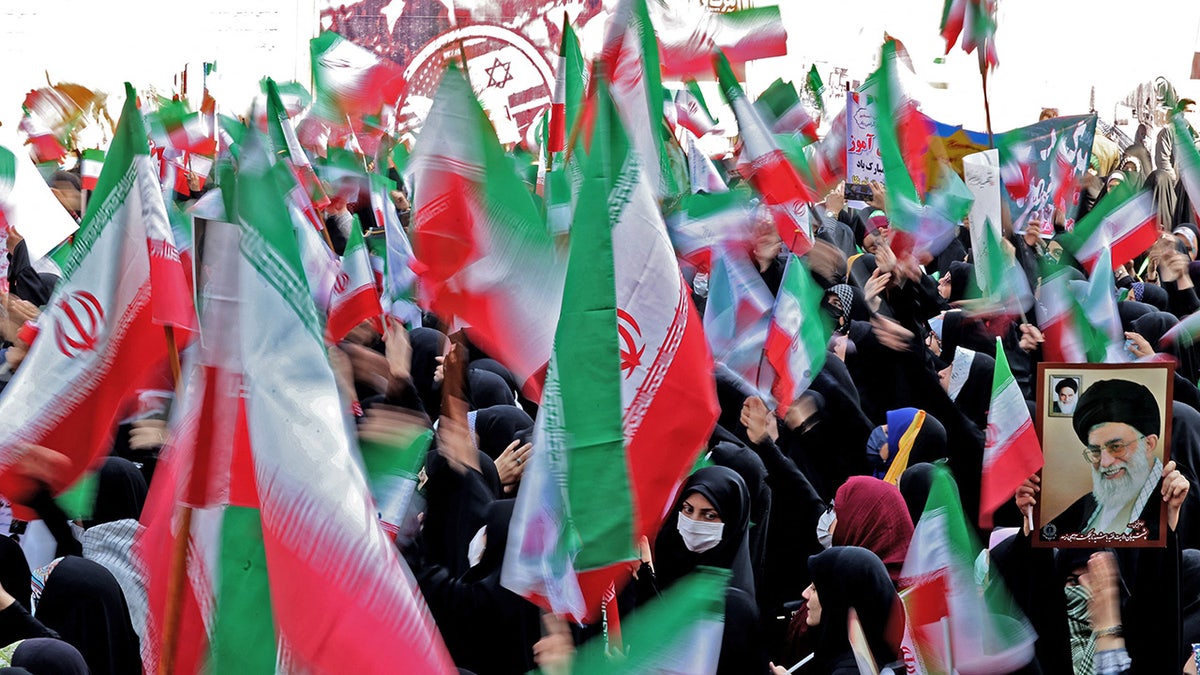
398	282
701	172
629	398
769	170
101	336
350	81
816	88
975	21
781	109
703	221
679	633
287	564
1098	319
1057	320
1187	156
562	173
354	298
89	167
568	89
183	130
630	60
737	317
1012	452
1122	226
987	632
691	112
487	261
796	337
288	148
689	37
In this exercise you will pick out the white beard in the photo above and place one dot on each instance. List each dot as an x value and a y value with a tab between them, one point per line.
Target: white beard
1114	494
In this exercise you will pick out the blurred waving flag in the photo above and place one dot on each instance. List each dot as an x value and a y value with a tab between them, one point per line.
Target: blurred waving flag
487	261
629	398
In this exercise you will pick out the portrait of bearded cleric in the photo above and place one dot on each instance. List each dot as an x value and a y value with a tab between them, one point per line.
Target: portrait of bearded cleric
1104	462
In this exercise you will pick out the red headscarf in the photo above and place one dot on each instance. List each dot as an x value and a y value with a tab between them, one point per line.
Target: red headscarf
872	514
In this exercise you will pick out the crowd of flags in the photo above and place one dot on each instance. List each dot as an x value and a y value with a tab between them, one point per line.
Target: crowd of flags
573	283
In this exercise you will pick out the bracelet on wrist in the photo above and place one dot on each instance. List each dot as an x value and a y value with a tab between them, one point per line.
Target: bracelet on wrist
1111	631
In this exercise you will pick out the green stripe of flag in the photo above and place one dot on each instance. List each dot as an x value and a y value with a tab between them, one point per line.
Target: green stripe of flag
587	353
244	630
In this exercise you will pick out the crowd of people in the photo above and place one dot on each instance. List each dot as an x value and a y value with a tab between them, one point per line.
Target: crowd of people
812	512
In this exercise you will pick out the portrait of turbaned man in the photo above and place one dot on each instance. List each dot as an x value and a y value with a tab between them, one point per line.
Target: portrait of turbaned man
1105	432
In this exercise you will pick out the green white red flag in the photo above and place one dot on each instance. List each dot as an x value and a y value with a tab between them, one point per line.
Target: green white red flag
569	83
689	37
975	21
781	108
769	170
288	565
487	261
350	81
1122	226
354	298
629	398
737	316
1012	452
288	148
89	167
679	633
691	112
630	60
796	338
100	338
987	632
1187	156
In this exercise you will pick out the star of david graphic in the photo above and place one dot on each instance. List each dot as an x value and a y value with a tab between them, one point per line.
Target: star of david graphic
500	69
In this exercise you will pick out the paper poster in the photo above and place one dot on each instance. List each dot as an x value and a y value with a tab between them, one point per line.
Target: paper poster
863	160
981	173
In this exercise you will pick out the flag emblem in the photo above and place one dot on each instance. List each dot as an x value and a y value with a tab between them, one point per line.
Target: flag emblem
632	344
80	321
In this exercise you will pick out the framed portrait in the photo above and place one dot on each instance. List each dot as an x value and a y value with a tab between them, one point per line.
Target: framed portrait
1105	431
1063	395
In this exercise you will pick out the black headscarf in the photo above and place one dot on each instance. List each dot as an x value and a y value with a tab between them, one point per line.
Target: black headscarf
850	576
750	467
120	492
1153	326
486	389
84	603
914	486
427	345
15	575
494	366
499	425
975	397
47	656
1132	310
724	488
962	280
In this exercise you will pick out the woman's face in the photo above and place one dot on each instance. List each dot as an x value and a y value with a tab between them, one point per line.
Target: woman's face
697	507
814	605
944	286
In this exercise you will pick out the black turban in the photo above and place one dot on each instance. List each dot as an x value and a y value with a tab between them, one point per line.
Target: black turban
1117	401
1066	382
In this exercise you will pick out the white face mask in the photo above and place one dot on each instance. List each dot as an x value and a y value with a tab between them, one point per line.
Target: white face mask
477	546
823	534
699	536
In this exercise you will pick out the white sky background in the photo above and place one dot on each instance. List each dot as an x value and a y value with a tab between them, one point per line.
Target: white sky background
1051	51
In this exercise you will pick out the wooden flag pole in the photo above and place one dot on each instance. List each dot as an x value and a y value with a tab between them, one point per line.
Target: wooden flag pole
987	107
178	570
